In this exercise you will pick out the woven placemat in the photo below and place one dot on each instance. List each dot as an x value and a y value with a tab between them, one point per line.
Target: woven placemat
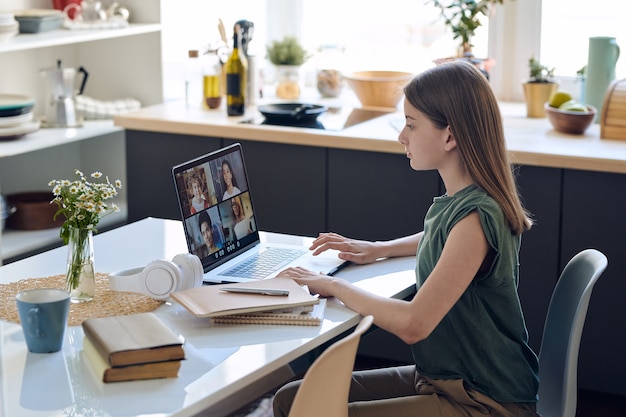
106	302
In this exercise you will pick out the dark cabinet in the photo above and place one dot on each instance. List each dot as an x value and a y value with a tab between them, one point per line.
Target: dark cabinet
540	190
288	181
594	206
150	157
288	184
377	196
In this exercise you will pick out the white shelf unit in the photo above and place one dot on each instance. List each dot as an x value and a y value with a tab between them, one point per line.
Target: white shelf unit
121	63
29	163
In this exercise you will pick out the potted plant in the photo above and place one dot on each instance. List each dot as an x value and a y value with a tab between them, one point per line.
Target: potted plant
463	18
538	88
287	55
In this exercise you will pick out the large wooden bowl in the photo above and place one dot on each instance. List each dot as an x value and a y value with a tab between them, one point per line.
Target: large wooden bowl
378	88
574	122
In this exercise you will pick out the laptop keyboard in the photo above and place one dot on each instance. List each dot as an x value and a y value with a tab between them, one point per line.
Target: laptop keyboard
264	263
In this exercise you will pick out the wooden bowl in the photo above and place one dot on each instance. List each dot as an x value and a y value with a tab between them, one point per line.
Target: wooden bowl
574	122
378	88
33	211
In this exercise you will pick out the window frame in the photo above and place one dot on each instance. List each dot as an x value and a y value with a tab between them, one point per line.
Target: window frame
514	36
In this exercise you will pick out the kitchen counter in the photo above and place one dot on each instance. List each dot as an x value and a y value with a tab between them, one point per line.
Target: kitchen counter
531	141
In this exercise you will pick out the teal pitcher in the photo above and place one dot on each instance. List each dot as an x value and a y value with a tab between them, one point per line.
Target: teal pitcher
603	55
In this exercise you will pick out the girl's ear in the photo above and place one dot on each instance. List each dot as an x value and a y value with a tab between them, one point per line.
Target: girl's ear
450	141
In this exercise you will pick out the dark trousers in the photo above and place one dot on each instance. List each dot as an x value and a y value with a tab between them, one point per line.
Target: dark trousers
402	392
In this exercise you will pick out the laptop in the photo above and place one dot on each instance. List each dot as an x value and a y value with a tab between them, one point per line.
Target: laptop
220	223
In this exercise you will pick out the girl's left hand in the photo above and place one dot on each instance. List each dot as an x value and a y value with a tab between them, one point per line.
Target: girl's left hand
318	283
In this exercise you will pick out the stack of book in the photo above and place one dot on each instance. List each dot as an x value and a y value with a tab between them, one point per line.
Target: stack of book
269	301
133	347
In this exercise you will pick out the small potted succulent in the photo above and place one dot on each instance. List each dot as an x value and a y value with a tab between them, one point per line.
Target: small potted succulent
539	73
287	55
538	88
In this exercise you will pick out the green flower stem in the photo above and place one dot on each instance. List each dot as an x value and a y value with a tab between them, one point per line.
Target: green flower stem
80	253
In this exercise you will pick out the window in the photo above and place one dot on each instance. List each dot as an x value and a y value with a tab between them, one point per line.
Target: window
568	24
394	34
402	34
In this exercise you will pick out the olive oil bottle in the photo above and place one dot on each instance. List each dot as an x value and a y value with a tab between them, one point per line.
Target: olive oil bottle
236	73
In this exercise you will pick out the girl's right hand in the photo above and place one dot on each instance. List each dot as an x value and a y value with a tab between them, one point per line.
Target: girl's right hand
357	251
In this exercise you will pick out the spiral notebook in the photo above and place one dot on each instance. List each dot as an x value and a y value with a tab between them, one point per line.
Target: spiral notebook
214	301
298	316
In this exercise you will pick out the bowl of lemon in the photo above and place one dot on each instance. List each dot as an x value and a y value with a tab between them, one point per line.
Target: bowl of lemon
568	115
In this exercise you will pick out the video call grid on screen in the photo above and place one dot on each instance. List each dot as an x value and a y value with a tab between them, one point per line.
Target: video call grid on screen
213	228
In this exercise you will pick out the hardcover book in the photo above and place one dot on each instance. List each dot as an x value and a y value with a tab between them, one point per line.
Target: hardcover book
104	372
133	339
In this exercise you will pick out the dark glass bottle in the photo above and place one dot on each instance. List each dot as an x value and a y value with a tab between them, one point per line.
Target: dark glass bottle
236	73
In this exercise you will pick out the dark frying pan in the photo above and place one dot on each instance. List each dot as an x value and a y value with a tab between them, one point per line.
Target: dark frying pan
291	113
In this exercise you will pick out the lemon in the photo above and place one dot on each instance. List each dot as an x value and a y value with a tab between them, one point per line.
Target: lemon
559	97
573	105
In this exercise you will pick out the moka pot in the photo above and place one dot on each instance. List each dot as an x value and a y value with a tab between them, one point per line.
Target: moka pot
60	108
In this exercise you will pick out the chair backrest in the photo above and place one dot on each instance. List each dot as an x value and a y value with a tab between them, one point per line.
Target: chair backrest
558	356
326	384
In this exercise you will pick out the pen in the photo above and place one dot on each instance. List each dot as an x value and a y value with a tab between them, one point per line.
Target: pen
261	291
338	268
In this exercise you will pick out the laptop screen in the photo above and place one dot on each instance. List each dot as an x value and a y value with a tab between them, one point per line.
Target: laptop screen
216	205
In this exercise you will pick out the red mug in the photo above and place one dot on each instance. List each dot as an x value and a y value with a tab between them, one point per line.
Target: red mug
62	4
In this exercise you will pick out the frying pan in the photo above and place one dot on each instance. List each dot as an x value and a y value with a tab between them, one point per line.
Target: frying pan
290	113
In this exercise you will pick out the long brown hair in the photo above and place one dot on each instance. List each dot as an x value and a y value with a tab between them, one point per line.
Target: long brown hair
458	95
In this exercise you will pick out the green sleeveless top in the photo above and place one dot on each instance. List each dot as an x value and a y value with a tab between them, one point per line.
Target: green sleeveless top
483	338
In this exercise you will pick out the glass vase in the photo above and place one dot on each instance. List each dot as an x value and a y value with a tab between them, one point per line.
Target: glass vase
80	278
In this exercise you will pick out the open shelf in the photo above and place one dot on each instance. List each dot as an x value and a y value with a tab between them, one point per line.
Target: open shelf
28	41
48	137
15	243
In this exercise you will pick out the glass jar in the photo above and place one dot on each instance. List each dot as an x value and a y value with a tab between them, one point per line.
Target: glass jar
288	81
329	67
211	80
193	79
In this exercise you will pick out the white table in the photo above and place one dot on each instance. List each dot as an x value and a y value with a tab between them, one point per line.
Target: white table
225	365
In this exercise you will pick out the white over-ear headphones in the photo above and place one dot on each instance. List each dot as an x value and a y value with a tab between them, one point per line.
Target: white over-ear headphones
160	278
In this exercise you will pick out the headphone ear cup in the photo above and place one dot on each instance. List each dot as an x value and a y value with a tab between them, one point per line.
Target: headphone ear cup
160	279
191	271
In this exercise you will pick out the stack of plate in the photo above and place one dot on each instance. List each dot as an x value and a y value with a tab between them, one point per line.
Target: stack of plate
8	26
16	116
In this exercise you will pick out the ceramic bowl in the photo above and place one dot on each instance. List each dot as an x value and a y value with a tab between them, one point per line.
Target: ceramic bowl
33	211
573	122
8	30
7	18
378	88
9	25
5	36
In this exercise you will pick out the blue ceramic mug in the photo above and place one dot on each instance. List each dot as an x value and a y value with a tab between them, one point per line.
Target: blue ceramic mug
43	313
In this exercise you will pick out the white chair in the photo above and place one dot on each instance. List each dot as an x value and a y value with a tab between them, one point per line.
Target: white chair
558	355
326	384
